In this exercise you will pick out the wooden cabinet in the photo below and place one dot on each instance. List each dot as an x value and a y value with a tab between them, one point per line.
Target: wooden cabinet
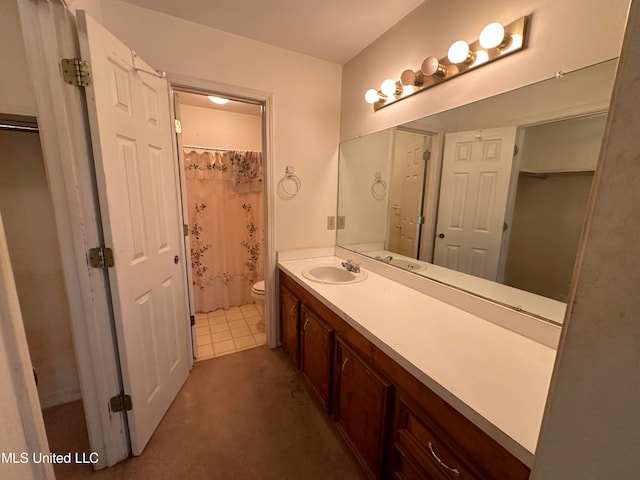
289	315
425	453
432	439
361	405
316	355
397	427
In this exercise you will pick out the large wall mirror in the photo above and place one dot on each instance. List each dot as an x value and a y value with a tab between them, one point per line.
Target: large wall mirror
489	197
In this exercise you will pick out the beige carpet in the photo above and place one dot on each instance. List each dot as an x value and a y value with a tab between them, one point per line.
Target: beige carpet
242	416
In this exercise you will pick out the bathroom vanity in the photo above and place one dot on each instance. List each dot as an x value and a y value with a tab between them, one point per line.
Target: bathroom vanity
418	388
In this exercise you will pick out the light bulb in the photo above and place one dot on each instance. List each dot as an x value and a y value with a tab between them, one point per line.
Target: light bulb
218	100
482	56
459	52
410	78
432	66
388	87
371	96
492	36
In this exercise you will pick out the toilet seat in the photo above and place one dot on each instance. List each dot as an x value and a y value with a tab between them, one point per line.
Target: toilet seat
258	288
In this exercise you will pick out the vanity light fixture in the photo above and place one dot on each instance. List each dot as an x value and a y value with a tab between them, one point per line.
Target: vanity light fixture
496	40
432	66
409	78
493	36
372	96
391	87
459	52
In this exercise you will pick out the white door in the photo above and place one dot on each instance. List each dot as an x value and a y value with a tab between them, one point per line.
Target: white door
412	186
476	172
139	201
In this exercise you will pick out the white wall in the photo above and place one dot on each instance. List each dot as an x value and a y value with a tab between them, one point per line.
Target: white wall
16	92
566	146
27	210
365	215
591	426
306	103
22	425
207	127
564	36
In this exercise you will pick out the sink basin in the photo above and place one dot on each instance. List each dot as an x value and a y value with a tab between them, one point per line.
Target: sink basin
332	274
403	263
406	264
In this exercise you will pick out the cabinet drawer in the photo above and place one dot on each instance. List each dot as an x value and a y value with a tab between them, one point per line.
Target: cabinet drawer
437	456
405	467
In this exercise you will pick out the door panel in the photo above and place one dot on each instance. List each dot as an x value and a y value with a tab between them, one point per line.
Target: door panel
411	187
361	404
139	202
316	355
476	174
289	319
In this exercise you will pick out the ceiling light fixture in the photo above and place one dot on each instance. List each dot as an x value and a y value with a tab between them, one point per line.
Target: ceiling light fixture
494	42
218	100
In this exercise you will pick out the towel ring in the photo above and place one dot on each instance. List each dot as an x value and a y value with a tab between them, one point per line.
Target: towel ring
289	175
378	187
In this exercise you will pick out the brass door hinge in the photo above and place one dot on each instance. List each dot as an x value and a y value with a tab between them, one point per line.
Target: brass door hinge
120	403
178	125
101	257
76	72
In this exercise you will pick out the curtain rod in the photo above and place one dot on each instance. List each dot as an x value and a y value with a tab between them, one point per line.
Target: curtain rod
214	148
24	128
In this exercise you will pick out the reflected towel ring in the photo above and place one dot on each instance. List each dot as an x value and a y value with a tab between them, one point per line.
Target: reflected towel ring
297	183
379	187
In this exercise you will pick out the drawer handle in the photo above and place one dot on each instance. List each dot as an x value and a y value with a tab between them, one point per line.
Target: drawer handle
344	366
453	471
304	327
291	314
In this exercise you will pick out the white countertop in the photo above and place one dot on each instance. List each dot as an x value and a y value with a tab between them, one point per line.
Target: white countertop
496	378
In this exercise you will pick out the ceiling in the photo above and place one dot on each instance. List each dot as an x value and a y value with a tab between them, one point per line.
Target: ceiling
334	30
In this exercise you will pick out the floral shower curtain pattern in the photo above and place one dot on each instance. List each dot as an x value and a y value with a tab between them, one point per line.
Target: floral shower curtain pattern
224	195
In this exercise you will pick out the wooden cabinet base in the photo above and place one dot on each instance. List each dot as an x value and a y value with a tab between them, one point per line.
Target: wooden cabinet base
425	438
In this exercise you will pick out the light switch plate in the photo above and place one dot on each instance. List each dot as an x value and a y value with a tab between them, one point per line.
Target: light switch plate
341	222
331	223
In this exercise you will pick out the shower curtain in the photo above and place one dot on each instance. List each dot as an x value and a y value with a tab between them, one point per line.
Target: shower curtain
224	195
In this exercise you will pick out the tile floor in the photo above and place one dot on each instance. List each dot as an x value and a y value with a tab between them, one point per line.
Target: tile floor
222	332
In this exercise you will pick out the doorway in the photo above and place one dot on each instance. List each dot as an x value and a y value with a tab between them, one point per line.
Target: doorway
27	211
221	165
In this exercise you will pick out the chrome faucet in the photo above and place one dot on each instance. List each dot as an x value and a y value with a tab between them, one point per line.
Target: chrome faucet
351	266
387	259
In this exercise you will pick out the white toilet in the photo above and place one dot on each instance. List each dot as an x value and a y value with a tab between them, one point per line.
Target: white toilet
257	292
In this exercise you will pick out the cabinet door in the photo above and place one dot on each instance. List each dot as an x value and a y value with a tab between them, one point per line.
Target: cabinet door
289	314
316	345
361	404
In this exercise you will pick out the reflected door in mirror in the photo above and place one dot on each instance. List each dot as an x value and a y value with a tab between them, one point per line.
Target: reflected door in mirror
476	174
406	208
